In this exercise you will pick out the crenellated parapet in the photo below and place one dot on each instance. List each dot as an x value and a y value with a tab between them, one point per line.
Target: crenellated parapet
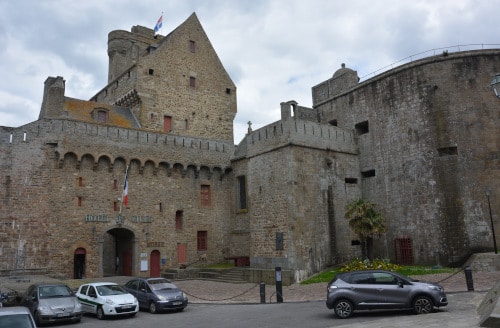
98	142
298	132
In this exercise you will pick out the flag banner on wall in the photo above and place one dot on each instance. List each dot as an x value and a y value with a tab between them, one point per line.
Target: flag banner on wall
125	189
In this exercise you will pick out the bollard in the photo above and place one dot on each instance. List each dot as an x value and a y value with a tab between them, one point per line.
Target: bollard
262	292
468	279
279	285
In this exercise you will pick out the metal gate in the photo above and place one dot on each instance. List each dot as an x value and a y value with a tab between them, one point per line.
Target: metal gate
404	250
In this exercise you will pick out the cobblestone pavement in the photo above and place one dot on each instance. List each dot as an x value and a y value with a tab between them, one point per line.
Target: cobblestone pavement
462	311
206	291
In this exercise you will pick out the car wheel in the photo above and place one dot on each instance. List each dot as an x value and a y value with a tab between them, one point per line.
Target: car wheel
100	313
152	307
343	308
422	305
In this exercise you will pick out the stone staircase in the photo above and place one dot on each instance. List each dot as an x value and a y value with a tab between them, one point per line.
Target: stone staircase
235	276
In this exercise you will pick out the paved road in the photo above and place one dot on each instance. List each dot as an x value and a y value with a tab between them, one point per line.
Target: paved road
313	314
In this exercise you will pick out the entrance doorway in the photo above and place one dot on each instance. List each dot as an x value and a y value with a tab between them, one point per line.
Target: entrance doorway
154	266
118	253
79	263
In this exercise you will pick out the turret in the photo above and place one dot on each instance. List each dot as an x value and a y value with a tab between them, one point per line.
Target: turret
53	98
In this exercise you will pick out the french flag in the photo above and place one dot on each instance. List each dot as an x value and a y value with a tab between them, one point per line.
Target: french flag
158	24
125	189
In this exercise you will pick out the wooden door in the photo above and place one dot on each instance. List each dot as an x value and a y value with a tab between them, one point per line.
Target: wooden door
154	264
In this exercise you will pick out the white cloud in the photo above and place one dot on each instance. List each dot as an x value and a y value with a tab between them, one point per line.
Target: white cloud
273	50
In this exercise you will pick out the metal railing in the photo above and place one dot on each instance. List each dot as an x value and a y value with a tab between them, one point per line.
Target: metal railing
432	52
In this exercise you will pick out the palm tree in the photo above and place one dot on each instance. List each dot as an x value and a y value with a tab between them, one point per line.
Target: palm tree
366	222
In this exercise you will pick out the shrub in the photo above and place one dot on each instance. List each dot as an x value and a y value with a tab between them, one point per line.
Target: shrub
376	264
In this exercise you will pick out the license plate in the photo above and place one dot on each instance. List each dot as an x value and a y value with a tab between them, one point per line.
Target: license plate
126	307
177	303
59	315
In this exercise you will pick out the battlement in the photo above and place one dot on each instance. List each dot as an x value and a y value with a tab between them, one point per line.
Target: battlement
298	132
114	142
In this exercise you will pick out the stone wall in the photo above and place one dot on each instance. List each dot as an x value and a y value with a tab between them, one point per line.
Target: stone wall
430	148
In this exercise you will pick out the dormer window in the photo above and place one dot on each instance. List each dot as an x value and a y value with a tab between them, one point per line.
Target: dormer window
100	115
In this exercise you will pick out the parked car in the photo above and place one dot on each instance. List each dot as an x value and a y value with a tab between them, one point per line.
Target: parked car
16	317
3	298
49	303
378	289
106	299
157	294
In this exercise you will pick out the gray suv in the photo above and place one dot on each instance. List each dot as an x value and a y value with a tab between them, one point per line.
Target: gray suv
378	289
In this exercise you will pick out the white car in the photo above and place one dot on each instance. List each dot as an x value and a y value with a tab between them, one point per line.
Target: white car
106	299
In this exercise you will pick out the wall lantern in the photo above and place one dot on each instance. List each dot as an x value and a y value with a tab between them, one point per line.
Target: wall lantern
495	85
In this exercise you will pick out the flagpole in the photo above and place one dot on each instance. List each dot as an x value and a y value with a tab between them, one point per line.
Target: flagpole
124	185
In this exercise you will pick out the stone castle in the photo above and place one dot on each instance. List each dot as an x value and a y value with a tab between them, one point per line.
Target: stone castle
420	140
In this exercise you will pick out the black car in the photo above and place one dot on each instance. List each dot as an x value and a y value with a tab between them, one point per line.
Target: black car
157	294
378	289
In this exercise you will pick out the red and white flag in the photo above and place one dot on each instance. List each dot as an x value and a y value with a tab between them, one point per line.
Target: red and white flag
125	189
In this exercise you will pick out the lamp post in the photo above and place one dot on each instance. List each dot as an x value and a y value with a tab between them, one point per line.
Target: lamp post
495	85
492	226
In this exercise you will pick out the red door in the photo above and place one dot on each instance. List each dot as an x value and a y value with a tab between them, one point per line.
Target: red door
127	262
181	254
154	264
167	123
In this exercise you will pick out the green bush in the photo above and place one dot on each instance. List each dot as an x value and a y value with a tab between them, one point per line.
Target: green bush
376	264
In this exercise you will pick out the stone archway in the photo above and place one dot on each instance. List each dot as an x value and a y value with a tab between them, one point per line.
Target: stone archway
118	252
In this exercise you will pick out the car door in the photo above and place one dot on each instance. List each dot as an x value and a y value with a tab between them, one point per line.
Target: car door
133	288
92	301
363	290
142	294
82	297
394	294
31	300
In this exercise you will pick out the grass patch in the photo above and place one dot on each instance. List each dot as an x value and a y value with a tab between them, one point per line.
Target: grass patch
222	265
327	276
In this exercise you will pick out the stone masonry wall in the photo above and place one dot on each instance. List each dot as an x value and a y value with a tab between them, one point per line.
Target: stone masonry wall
432	149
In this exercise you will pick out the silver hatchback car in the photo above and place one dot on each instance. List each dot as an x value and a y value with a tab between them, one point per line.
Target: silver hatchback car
379	289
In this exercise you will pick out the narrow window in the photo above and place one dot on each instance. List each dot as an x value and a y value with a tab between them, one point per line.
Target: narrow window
228	91
205	196
115	206
178	220
368	174
167	123
186	124
447	151
351	180
192	82
242	193
192	46
201	240
333	122
362	128
79	202
151	71
115	184
80	182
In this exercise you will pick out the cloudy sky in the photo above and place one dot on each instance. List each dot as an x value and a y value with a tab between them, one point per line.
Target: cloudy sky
274	50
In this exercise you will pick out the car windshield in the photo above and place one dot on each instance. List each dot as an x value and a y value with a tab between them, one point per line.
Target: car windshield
16	320
106	290
159	284
55	291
